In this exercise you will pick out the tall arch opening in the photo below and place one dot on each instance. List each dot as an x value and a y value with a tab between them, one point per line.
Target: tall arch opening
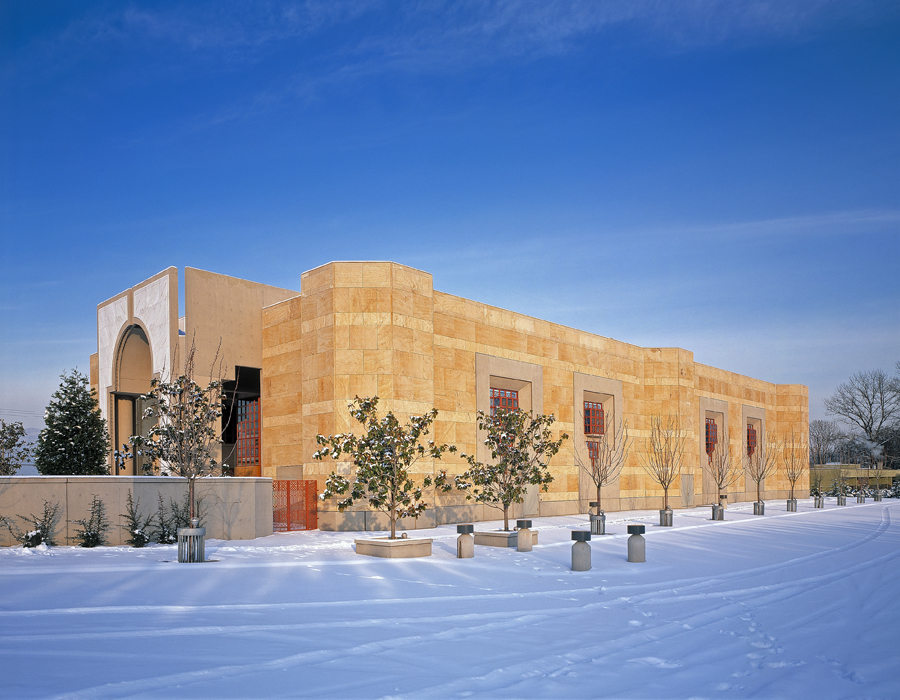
133	374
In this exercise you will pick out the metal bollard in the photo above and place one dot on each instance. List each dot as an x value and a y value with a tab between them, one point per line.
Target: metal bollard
637	546
723	502
524	540
581	551
465	543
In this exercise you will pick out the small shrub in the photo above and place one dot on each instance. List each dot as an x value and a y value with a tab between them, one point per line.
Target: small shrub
42	526
92	532
165	531
139	528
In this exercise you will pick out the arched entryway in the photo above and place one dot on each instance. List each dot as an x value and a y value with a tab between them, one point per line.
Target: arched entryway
132	376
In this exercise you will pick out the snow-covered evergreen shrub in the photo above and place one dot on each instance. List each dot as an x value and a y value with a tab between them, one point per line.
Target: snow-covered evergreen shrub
165	531
92	532
75	440
139	527
42	526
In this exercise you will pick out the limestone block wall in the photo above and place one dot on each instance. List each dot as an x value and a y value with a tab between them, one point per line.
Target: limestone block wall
364	328
235	508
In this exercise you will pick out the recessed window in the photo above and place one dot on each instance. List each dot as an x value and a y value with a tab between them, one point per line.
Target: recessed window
593	452
503	400
248	433
593	418
712	436
751	439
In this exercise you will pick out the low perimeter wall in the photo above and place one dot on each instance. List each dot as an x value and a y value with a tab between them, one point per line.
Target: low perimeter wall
234	508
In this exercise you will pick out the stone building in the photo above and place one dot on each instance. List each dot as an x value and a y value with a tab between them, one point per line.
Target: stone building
293	361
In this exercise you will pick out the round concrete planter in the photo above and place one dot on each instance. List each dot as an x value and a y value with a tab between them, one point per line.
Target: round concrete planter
665	518
387	548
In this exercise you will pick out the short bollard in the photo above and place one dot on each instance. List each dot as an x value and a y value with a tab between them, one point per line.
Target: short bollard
524	540
192	543
465	543
721	514
598	522
637	546
581	551
818	501
759	508
792	505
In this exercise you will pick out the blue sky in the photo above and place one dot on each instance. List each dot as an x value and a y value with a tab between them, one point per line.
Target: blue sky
717	175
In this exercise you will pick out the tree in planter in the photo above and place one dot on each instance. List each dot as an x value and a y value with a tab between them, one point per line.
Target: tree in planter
13	448
184	438
75	440
383	456
92	532
796	461
720	466
521	446
664	457
605	461
763	463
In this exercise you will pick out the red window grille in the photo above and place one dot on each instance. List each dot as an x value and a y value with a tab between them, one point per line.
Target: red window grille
503	400
751	439
593	452
248	433
294	505
712	436
593	418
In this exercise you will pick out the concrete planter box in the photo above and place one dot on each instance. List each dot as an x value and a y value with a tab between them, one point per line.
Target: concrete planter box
502	538
394	549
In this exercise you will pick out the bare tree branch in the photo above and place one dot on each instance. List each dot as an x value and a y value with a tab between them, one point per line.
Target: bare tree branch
664	457
605	465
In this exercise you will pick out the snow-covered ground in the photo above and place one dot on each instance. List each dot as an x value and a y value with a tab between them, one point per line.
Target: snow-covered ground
798	605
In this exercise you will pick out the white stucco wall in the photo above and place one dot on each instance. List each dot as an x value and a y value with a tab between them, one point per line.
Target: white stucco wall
110	319
151	310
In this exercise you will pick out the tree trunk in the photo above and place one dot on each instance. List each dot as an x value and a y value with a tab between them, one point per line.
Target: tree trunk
191	499
506	516
666	498
759	491
599	507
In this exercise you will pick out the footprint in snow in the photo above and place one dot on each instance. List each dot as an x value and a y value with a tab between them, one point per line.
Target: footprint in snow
635	623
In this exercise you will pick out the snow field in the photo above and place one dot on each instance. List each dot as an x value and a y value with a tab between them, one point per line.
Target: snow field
785	605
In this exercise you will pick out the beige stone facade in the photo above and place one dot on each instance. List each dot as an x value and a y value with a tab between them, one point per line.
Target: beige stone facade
361	328
380	328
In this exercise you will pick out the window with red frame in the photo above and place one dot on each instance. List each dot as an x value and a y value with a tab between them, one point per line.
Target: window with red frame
712	436
593	452
248	433
503	400
593	418
751	439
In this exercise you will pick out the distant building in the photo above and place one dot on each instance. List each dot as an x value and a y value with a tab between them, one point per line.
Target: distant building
295	359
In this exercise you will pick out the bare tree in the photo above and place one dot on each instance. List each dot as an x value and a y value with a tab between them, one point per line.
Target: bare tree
763	463
869	401
188	425
824	440
795	462
605	462
665	454
721	467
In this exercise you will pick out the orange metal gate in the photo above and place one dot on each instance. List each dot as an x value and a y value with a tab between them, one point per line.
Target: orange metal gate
295	505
